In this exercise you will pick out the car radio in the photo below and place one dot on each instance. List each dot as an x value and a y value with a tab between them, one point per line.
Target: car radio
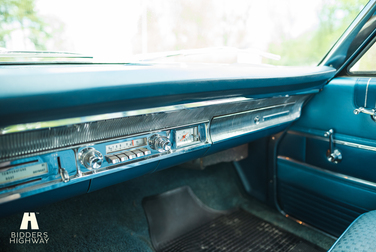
99	158
104	155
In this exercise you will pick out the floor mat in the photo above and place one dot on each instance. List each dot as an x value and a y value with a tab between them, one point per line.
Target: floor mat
179	221
113	219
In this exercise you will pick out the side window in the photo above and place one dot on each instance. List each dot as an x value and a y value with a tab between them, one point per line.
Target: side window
366	64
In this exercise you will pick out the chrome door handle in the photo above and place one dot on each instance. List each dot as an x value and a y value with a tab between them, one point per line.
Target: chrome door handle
333	155
371	112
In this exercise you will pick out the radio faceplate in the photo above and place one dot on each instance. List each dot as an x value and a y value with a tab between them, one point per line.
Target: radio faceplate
131	150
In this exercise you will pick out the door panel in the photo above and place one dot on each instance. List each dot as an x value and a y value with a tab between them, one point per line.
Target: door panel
327	195
320	199
311	149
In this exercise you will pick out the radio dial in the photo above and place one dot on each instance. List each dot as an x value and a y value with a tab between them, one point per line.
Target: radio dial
90	158
160	143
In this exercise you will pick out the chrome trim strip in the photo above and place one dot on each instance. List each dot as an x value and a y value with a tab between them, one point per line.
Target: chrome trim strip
336	141
365	100
237	124
276	114
88	119
335	174
10	198
255	110
354	145
31	142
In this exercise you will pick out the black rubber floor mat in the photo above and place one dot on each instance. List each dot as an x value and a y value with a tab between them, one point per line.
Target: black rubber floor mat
174	213
179	221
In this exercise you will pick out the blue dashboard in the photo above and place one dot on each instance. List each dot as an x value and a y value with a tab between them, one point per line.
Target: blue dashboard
72	129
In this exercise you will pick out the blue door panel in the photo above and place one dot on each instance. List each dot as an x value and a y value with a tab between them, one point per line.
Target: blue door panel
333	108
293	146
323	194
330	202
356	162
341	189
360	97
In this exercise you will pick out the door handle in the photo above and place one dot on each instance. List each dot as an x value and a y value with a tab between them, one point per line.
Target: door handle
333	155
371	112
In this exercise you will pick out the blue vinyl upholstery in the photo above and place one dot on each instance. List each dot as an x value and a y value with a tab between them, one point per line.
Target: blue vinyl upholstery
359	236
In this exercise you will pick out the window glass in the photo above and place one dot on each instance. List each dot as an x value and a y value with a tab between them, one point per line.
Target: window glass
277	32
366	63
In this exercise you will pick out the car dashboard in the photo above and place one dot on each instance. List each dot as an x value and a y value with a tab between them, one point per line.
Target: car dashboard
68	130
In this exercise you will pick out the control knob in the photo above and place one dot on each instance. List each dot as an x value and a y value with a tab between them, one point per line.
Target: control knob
90	158
160	143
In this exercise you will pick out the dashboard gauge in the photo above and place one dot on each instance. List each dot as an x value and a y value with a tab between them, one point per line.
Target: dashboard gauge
187	136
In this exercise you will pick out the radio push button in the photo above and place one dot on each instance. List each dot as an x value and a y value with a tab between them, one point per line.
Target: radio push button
138	153
129	154
145	151
122	157
112	159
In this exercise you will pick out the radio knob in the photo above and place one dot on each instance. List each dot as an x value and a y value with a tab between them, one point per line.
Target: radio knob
90	158
160	143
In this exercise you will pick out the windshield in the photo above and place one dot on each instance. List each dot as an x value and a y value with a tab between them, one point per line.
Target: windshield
276	32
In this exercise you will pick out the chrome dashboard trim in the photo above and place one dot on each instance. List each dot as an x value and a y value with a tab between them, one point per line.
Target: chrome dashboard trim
87	119
10	198
237	124
75	147
335	174
43	140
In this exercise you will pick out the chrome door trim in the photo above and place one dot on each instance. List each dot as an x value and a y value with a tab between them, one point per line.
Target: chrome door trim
336	141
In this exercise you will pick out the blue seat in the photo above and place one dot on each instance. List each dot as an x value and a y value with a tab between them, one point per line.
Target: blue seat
359	236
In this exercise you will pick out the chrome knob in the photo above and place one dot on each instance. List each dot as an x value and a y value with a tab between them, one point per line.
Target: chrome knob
160	143
90	158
